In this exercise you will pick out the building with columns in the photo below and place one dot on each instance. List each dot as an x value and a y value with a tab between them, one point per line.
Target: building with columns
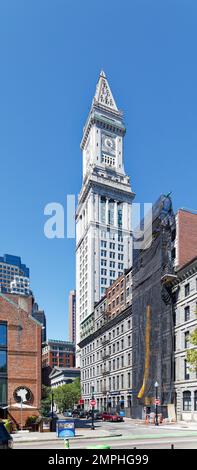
103	216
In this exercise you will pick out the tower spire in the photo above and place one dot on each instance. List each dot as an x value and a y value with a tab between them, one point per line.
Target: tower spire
103	95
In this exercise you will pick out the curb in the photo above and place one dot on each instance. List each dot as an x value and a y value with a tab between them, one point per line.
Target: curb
56	439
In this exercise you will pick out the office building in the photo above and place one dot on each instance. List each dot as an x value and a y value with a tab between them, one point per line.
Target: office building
72	316
14	275
103	216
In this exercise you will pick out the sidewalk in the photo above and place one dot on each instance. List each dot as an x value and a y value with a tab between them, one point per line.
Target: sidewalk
191	425
51	436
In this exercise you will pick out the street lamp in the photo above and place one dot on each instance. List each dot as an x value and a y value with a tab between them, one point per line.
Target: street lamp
52	403
92	427
107	401
156	404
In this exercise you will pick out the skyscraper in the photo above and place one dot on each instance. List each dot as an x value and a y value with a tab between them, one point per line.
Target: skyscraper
41	317
72	316
103	217
14	276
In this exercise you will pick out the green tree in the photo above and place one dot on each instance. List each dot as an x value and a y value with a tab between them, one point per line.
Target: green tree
65	396
192	353
45	401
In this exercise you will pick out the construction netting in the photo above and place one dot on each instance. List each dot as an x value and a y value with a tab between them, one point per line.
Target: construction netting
152	314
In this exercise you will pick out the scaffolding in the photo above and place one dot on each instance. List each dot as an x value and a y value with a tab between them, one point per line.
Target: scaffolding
153	314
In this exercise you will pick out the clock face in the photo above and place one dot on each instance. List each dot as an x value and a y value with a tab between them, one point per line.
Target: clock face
108	144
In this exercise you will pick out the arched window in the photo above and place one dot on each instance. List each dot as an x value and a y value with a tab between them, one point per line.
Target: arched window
187	401
195	400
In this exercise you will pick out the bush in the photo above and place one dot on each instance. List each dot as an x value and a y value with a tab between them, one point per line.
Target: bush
31	421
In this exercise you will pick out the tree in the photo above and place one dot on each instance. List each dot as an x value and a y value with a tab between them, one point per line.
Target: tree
192	353
45	401
67	395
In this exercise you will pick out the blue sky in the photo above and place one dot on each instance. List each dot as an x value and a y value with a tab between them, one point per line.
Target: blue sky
51	53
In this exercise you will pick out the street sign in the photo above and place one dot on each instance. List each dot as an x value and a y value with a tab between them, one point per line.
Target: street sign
157	401
92	402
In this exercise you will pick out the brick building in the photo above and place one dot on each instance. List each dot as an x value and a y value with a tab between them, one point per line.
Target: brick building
186	236
56	353
20	358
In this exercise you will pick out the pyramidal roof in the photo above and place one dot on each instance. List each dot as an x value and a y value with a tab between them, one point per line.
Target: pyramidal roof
103	95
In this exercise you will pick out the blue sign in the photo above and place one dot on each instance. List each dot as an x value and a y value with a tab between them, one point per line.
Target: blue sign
65	428
122	413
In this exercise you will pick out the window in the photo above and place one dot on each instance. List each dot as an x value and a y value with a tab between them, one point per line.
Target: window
3	362
119	215
3	334
3	391
117	379
103	207
186	339
187	290
186	370
103	262
129	380
103	244
187	401
122	381
112	264
103	253
187	313
195	400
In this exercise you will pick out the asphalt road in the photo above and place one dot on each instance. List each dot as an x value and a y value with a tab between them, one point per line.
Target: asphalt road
133	435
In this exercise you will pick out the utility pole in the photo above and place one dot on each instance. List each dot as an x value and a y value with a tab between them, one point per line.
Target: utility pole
156	404
93	409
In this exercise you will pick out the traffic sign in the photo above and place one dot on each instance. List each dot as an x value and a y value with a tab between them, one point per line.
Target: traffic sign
92	402
81	402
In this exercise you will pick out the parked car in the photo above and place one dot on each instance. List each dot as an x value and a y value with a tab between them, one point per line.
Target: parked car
113	417
68	413
97	414
78	413
6	441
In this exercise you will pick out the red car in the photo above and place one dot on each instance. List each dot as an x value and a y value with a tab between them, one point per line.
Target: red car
113	417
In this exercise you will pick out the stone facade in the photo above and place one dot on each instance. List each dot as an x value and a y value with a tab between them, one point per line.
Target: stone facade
185	321
107	348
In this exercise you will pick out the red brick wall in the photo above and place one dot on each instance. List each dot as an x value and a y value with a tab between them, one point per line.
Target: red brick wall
186	236
24	354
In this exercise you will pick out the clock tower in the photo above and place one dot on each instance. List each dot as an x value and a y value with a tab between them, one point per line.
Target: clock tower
103	217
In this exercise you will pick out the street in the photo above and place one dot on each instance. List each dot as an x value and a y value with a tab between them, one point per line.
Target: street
131	435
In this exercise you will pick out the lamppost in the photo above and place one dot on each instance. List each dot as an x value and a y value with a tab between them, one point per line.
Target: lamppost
52	403
107	401
156	404
92	427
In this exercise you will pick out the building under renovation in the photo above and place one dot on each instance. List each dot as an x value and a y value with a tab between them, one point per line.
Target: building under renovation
152	334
